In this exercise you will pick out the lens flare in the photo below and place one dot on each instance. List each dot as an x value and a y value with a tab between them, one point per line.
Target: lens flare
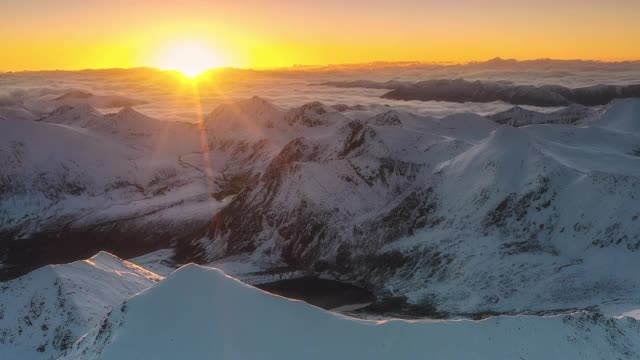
191	58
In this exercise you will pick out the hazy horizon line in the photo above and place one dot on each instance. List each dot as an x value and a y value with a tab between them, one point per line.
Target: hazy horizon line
337	65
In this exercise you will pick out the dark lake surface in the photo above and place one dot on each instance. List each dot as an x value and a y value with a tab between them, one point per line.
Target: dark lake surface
324	293
350	299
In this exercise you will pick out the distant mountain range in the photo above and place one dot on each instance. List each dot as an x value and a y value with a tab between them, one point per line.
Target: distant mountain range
459	90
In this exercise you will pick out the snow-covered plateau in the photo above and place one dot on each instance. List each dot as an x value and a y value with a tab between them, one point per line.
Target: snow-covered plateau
529	221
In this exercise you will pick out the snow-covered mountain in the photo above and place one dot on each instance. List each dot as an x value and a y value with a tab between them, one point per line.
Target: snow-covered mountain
620	117
79	97
130	182
457	216
80	115
44	312
34	104
314	114
201	313
518	116
79	174
245	115
126	122
459	213
16	113
454	213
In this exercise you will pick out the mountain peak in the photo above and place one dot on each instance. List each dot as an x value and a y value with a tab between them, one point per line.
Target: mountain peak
55	305
80	108
314	114
128	116
129	111
80	114
260	100
244	113
77	94
252	105
387	118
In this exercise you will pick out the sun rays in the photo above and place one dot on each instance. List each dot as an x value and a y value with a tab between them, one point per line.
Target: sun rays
190	57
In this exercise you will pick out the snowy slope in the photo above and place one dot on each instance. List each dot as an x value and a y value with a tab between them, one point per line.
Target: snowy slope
127	123
199	313
56	170
160	262
35	103
522	235
47	310
99	101
518	116
16	113
458	213
44	163
314	114
245	115
80	115
621	116
454	213
317	186
130	182
78	172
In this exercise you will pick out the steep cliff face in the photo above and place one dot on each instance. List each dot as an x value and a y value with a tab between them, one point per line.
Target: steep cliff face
310	194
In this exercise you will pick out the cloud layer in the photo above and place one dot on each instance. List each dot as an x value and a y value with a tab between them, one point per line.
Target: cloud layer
170	97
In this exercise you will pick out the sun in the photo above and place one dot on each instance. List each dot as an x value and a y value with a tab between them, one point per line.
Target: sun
191	58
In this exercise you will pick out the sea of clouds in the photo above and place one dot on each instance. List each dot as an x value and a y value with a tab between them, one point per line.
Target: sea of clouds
168	96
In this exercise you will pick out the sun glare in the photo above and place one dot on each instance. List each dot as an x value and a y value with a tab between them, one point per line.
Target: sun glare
191	58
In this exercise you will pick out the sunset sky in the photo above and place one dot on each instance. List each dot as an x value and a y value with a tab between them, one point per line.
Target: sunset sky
75	34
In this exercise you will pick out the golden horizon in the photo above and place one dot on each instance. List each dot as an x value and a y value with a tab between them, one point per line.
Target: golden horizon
43	35
327	65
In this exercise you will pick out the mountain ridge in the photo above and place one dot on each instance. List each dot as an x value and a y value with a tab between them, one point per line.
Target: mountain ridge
460	90
225	316
372	199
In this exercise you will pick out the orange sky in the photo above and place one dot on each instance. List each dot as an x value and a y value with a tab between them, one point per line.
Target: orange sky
74	34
